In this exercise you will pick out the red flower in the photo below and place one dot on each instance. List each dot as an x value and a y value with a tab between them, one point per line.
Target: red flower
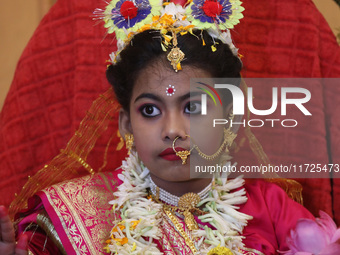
180	2
212	8
128	10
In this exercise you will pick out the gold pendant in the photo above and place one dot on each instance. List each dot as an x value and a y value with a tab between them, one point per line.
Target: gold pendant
183	155
175	56
189	201
190	221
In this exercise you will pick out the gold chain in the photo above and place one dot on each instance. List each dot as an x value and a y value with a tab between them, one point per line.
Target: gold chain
180	229
229	137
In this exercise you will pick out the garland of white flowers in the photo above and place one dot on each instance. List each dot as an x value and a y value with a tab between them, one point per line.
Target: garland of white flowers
138	216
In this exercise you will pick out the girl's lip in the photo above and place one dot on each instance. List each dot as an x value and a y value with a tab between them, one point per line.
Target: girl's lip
169	154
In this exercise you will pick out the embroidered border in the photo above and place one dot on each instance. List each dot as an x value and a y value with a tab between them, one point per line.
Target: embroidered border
82	208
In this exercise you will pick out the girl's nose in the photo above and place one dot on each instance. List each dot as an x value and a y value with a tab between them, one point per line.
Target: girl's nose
174	126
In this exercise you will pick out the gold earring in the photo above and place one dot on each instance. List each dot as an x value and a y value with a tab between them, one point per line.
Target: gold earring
129	142
231	116
229	136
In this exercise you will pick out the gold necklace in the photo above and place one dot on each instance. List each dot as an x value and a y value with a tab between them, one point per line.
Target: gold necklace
187	206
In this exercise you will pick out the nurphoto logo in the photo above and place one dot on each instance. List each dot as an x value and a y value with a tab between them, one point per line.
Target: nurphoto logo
238	97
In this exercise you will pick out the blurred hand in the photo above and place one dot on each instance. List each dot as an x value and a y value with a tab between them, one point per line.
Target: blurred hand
8	245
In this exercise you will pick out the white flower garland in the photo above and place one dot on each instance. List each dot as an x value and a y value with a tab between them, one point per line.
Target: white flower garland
140	216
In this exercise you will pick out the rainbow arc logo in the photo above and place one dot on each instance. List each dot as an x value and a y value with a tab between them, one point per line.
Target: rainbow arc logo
204	97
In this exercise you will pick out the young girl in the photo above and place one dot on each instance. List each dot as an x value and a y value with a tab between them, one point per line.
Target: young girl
158	206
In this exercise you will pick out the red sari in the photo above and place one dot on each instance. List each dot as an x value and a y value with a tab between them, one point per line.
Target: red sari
75	217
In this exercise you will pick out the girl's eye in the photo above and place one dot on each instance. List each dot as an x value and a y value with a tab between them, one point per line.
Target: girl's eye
193	108
150	111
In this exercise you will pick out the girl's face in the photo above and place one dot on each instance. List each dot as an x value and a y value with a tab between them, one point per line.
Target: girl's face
156	119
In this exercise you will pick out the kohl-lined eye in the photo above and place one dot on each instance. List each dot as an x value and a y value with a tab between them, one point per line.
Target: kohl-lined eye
193	107
150	110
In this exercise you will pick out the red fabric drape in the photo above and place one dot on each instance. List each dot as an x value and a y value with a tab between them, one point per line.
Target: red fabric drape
62	70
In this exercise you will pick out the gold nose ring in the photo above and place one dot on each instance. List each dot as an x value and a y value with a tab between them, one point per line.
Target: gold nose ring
182	154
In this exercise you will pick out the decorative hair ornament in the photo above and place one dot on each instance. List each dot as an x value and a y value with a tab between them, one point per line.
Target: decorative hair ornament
124	17
129	17
175	56
211	14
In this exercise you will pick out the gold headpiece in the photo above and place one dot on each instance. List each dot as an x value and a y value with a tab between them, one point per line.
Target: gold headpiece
129	17
176	55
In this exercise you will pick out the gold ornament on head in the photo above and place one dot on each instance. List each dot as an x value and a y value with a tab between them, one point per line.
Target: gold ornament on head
182	154
175	56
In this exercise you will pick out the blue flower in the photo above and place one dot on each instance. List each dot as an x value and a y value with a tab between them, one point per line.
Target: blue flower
127	13
205	14
212	11
125	16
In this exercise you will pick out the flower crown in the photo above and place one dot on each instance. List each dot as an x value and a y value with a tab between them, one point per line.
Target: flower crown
129	17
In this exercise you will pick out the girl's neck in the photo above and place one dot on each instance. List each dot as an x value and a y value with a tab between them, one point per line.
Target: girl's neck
181	188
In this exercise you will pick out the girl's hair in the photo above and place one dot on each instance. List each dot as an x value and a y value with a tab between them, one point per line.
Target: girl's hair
145	48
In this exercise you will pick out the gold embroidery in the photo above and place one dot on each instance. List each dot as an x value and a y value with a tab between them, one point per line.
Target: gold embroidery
46	224
180	229
173	242
83	210
73	155
166	247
